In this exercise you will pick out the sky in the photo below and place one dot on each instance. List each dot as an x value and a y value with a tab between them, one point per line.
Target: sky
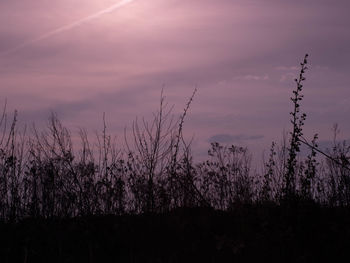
81	58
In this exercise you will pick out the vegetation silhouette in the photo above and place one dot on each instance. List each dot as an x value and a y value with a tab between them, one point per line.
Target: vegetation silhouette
151	202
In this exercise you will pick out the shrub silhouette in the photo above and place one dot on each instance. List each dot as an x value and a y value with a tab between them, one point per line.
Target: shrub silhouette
43	175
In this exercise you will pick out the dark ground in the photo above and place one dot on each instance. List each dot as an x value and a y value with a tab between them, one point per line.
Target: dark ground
246	234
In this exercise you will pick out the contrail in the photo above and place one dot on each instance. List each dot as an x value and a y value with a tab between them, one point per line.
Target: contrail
68	27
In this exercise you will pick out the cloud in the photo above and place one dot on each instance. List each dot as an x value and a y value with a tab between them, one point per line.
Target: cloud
229	138
285	68
287	77
253	77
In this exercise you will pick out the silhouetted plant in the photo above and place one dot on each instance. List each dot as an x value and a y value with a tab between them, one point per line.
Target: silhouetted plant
338	172
153	144
226	178
307	180
266	193
297	120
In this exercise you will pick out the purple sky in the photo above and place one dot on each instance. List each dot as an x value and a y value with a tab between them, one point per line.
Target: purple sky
241	55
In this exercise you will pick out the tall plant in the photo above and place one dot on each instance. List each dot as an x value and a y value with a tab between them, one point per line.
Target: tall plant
297	120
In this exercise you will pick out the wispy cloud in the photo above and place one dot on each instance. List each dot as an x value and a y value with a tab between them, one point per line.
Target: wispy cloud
229	138
286	68
287	76
68	27
252	77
